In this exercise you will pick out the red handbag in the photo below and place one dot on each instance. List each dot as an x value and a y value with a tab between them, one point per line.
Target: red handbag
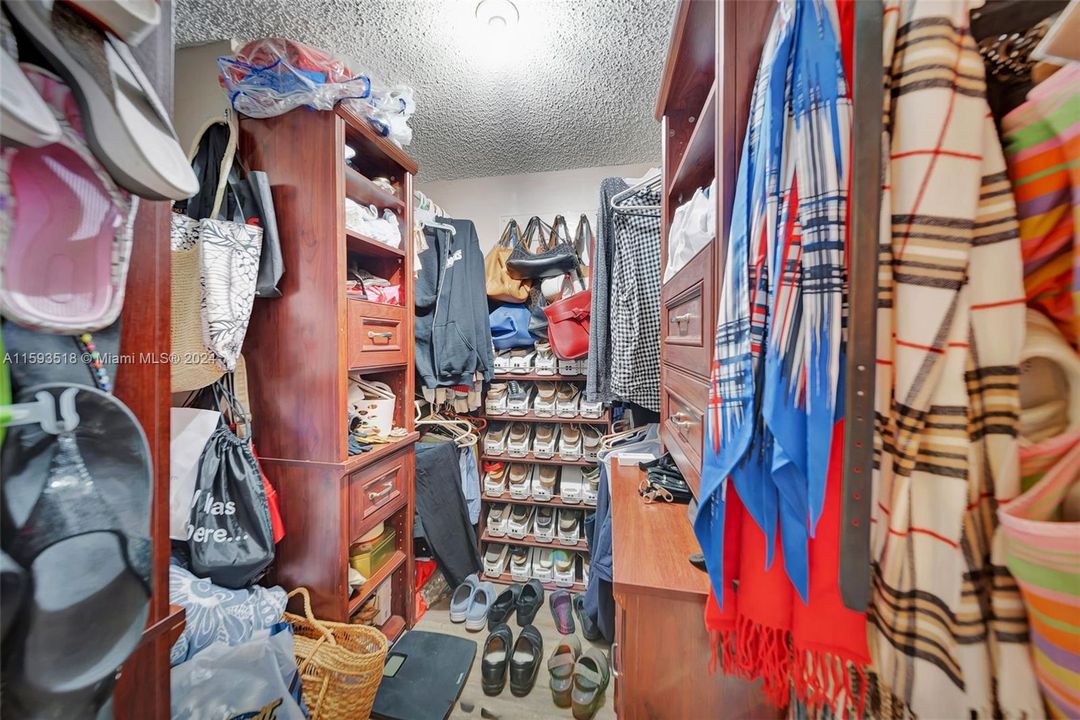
568	325
568	319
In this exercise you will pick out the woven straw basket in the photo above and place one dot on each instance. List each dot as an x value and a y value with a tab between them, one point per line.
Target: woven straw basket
340	665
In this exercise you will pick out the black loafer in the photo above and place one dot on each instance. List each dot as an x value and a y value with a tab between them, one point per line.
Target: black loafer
588	627
529	602
496	658
525	661
504	606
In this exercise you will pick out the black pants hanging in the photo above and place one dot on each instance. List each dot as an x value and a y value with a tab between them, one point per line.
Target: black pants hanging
442	513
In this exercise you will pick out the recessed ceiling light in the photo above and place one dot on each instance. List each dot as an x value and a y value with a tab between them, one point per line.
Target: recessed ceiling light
497	14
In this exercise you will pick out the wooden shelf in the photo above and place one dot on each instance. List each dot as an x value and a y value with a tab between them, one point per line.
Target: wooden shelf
364	245
365	591
355	462
696	166
358	128
530	541
534	377
553	502
393	627
359	188
507	579
531	459
534	418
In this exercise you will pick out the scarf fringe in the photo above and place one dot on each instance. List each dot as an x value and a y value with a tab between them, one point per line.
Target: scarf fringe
819	679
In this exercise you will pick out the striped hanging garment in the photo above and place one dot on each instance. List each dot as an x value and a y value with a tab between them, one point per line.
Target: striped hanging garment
1042	148
948	630
1042	549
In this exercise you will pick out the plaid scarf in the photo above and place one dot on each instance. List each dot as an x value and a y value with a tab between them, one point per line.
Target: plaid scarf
945	620
776	377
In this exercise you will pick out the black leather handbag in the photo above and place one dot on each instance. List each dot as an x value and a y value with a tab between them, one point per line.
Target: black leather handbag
555	258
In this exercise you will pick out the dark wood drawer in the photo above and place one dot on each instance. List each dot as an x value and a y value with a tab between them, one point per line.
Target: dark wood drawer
376	334
688	316
683	402
374	489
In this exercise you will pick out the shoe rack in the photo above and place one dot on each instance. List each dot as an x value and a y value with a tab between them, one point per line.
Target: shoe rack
302	348
603	423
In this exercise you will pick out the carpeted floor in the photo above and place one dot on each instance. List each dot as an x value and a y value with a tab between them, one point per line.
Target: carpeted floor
537	705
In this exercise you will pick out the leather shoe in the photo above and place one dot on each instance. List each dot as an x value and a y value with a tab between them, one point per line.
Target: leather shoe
496	659
525	661
504	606
529	602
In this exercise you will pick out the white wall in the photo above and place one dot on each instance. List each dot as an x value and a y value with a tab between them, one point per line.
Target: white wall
197	95
491	202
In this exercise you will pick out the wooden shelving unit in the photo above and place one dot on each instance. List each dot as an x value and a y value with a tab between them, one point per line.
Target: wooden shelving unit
506	579
303	347
582	547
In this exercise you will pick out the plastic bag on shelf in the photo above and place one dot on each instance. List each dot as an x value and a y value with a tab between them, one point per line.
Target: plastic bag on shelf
388	111
271	76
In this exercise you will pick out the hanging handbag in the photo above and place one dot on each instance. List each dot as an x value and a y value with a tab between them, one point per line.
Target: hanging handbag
568	318
500	286
271	264
214	262
230	535
550	260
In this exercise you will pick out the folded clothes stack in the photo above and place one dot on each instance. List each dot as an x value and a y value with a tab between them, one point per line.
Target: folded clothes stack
364	219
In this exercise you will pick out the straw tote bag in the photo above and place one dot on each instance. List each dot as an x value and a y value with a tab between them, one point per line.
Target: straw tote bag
500	286
215	264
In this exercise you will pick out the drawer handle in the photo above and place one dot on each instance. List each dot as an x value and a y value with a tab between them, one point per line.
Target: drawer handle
387	336
373	496
681	420
615	659
684	318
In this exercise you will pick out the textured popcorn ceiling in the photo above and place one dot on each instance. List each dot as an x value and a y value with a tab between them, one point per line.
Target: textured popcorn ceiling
573	85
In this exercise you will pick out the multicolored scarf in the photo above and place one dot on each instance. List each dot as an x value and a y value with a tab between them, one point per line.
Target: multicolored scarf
948	630
776	378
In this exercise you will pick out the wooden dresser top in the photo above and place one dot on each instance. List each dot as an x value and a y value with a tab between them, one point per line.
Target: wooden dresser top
651	542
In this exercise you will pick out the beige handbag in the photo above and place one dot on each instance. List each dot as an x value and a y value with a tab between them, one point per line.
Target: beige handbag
500	286
194	365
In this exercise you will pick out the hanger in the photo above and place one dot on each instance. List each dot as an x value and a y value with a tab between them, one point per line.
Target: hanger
465	434
635	181
652	182
431	222
43	412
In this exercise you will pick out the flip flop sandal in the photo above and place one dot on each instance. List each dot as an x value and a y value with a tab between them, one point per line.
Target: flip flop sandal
566	402
544	482
76	502
521	361
569	527
544	441
520	521
495	480
544	405
590	438
591	677
561	670
130	20
545	362
517	445
543	565
66	230
562	611
570	443
24	117
544	526
564	567
495	403
495	440
495	559
520	481
126	126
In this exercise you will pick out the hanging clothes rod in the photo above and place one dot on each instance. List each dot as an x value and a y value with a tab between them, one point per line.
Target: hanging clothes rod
866	181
